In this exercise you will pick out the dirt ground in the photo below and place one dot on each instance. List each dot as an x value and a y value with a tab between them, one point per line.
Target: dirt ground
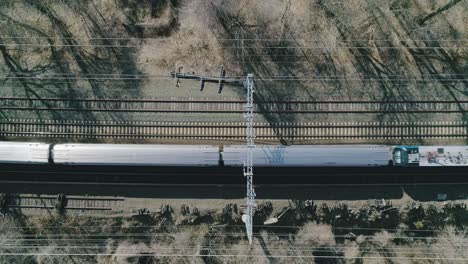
218	197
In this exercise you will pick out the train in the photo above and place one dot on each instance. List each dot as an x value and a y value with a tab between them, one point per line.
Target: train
231	155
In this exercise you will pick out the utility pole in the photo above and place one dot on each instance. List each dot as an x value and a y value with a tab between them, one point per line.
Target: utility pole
248	84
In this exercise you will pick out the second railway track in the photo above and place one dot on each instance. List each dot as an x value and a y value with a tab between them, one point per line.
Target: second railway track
232	130
190	105
73	203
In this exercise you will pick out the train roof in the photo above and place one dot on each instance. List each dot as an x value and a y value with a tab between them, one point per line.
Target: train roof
24	152
138	155
310	155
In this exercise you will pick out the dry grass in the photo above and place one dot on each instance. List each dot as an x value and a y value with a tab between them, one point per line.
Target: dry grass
125	238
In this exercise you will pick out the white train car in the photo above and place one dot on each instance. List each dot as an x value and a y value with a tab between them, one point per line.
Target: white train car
136	155
24	153
310	156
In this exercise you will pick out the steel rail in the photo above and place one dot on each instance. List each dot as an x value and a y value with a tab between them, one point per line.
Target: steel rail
232	130
230	106
232	112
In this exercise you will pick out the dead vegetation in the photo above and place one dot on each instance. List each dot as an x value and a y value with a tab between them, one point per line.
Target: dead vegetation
336	233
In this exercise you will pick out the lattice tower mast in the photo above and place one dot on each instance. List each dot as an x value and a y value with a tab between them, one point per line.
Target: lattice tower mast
248	164
249	115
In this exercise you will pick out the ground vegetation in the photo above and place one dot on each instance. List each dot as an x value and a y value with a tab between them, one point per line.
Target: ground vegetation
303	232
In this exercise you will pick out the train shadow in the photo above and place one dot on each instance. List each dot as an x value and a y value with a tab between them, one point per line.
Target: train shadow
228	183
229	192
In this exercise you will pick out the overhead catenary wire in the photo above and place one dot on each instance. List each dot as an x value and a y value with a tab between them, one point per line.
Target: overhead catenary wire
214	250
276	252
81	227
238	77
110	61
273	238
239	39
89	237
235	47
152	254
367	249
271	248
229	226
85	237
300	244
298	247
297	237
216	244
219	250
262	78
55	84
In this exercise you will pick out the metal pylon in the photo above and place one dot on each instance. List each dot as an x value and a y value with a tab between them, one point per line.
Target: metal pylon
248	164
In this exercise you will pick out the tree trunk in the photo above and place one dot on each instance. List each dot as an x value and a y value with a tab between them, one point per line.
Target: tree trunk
439	10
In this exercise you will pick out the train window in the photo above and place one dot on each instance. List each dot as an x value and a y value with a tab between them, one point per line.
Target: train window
397	157
440	151
413	151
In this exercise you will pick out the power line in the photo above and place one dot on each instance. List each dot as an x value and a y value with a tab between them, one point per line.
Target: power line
276	250
299	247
228	226
296	56
181	226
66	45
441	76
347	47
227	256
136	61
225	234
223	247
247	39
338	41
328	48
262	78
64	75
127	78
270	238
85	237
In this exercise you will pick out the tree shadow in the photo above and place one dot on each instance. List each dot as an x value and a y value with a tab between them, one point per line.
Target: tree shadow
387	72
144	17
53	60
267	61
287	69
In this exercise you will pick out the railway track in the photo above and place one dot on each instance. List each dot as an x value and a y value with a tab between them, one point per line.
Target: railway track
232	130
49	202
190	105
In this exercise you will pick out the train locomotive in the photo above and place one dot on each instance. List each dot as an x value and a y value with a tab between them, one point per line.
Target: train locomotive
231	155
